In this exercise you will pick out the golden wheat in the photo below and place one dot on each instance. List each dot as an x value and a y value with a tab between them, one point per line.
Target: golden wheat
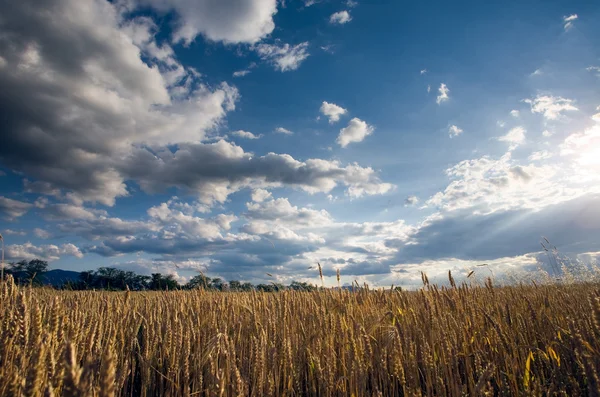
520	340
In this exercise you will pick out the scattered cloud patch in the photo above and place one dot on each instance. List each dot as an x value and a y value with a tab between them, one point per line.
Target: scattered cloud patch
540	155
423	71
332	111
228	21
260	195
41	233
340	17
537	72
568	21
283	57
514	137
411	201
515	113
454	131
443	96
550	107
246	134
49	252
241	73
11	232
356	131
13	209
595	69
285	131
596	117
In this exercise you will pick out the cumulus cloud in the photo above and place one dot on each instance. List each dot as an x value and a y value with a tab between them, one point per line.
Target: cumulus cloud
355	131
229	21
48	252
283	57
332	111
84	110
285	131
41	233
340	17
594	69
213	171
514	137
260	195
568	21
443	96
241	73
514	113
411	201
583	146
550	106
454	131
12	209
246	134
540	155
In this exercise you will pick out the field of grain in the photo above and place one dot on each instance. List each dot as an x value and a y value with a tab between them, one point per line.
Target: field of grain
536	340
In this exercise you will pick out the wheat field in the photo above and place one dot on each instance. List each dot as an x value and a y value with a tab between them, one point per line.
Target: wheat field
521	340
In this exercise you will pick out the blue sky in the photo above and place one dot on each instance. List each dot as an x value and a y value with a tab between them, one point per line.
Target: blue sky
246	137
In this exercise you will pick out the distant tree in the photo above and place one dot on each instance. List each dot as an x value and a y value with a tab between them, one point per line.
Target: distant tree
247	286
160	282
199	281
235	285
29	271
301	286
218	284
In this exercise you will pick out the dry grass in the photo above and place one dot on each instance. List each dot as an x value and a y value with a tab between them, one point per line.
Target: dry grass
523	340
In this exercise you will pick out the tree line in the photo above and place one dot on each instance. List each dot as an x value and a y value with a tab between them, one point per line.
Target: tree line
109	278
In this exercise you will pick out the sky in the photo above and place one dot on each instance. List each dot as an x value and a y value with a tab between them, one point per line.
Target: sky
246	137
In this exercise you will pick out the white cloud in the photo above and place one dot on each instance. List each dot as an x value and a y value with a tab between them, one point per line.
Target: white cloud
41	233
229	21
428	88
241	73
48	252
454	131
423	71
594	69
246	134
515	113
332	111
411	201
584	146
340	17
10	232
351	3
547	133
537	72
550	106
540	155
356	131
596	117
285	131
487	185
260	195
283	57
514	137
568	21
12	209
443	97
